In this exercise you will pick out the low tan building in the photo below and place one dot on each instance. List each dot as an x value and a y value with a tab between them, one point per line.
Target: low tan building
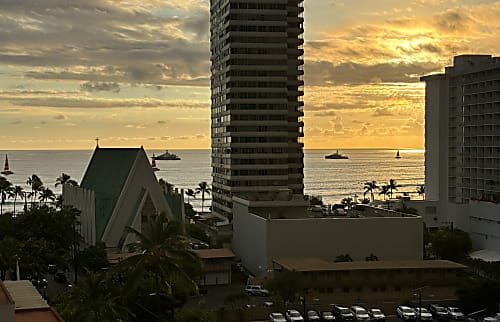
375	283
21	302
216	265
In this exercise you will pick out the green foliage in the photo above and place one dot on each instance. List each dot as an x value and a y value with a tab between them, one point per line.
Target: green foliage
195	315
286	285
9	249
371	258
451	244
343	258
236	298
93	258
476	293
197	232
203	188
314	200
407	210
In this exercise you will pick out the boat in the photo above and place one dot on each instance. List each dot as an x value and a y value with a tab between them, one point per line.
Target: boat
167	156
397	155
153	164
6	171
336	155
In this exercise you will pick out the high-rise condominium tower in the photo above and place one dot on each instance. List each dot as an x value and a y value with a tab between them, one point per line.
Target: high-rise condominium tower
462	147
256	93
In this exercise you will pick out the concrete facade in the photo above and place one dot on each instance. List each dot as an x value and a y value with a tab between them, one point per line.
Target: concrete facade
256	98
462	143
259	237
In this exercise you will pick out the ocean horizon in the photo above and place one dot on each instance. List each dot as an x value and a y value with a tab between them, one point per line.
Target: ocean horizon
332	180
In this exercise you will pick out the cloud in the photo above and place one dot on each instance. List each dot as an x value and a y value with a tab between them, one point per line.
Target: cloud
382	112
100	86
60	117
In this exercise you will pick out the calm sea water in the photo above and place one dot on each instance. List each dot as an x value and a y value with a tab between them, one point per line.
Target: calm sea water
331	179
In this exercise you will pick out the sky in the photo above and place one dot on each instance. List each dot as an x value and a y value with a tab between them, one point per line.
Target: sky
138	72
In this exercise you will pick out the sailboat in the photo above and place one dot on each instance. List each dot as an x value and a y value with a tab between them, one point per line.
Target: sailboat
397	155
6	171
153	164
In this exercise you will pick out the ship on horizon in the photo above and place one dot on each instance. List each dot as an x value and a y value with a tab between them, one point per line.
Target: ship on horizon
166	156
336	155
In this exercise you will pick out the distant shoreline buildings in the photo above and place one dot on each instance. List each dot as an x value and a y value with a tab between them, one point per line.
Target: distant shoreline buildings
462	146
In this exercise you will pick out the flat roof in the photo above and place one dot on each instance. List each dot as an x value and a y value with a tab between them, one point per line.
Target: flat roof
214	253
25	295
38	315
317	264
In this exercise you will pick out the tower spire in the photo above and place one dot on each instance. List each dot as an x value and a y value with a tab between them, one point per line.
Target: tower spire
97	142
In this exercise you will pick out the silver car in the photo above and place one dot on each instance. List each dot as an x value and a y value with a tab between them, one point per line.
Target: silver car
276	317
423	313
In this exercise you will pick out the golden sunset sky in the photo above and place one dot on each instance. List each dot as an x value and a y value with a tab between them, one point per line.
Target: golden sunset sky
137	72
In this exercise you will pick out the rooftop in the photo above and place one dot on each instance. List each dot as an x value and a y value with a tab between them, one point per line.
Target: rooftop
214	253
25	295
316	264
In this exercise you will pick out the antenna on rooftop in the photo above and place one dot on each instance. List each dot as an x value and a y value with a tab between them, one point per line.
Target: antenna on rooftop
97	142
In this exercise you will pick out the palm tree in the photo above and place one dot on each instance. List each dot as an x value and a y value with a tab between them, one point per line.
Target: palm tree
5	188
392	185
190	193
36	186
165	186
384	190
46	194
164	251
421	191
203	188
370	187
65	179
343	258
17	191
348	203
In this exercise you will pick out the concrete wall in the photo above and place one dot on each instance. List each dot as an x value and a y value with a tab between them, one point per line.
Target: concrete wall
484	225
257	241
84	200
7	312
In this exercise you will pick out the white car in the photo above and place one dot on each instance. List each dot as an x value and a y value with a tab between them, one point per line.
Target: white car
313	316
360	313
423	314
454	313
494	318
256	290
327	316
276	317
405	313
376	314
293	316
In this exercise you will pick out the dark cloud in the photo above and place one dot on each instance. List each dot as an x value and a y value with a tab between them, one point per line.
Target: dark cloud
324	72
60	117
161	122
105	41
100	87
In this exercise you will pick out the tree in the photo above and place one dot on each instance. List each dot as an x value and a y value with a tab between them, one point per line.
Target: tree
392	185
95	299
384	190
94	258
190	193
451	244
203	188
370	187
45	195
9	250
347	202
343	258
286	286
163	253
166	186
5	188
36	185
371	258
195	315
421	191
17	191
65	179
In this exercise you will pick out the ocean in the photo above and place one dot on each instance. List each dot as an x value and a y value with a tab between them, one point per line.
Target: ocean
330	179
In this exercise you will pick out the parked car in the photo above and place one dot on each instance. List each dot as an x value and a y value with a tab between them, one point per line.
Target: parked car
423	314
494	318
276	317
256	290
360	313
313	316
342	313
454	313
405	313
376	314
438	312
327	316
293	316
52	269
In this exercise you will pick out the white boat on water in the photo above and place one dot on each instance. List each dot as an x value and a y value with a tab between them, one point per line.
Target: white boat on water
166	156
336	155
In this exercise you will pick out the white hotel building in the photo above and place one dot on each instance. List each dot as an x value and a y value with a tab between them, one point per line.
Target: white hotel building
256	99
462	144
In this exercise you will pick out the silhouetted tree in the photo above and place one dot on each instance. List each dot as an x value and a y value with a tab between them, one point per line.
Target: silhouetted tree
370	187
